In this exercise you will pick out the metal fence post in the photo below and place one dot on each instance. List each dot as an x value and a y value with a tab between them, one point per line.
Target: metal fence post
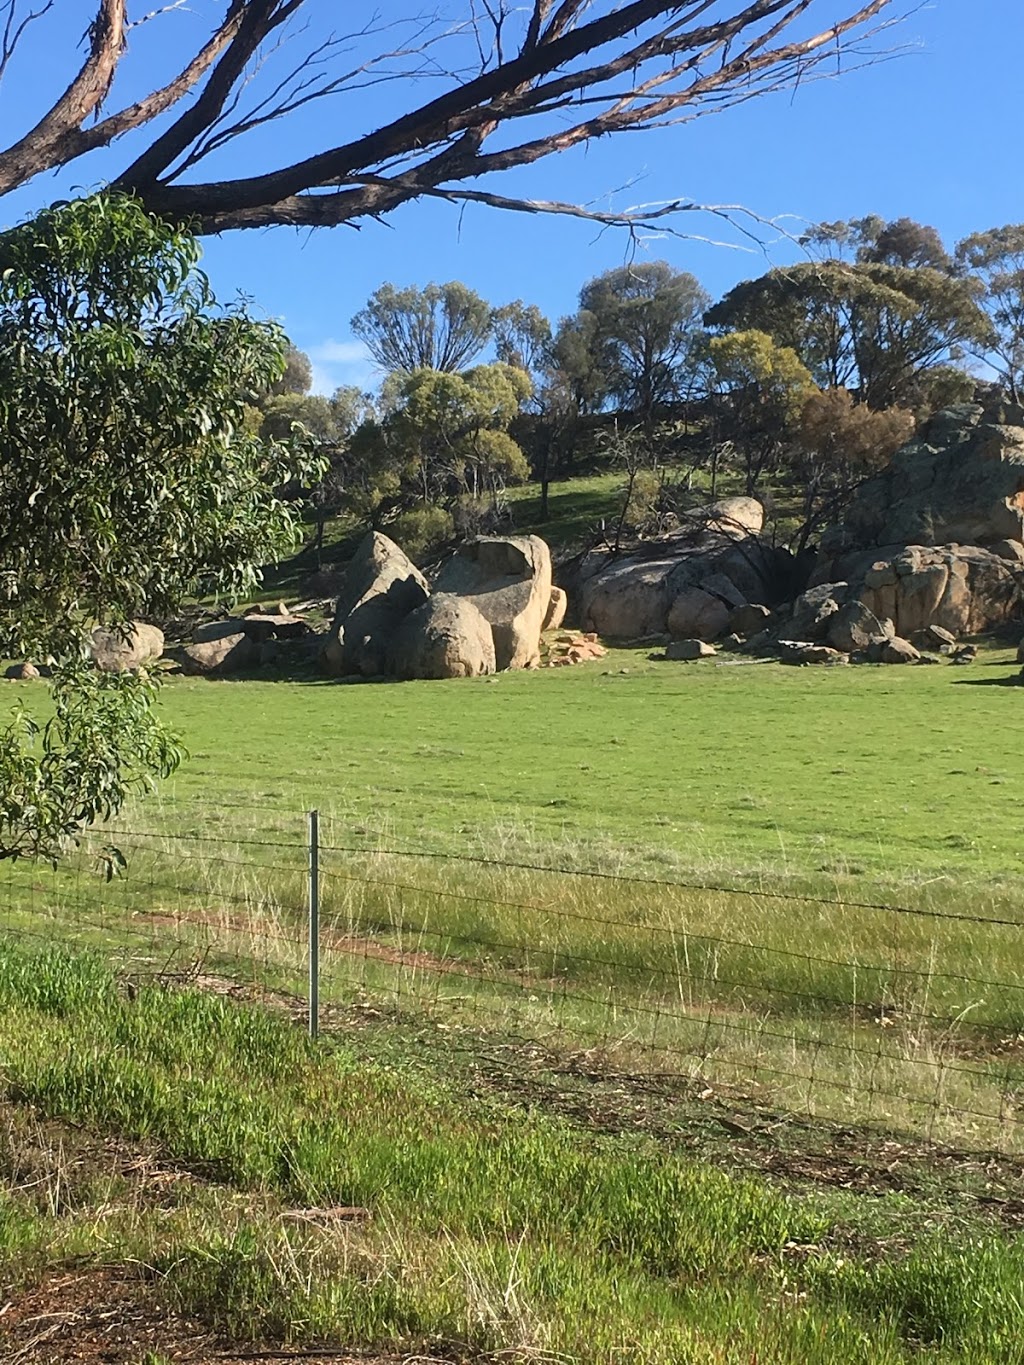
314	923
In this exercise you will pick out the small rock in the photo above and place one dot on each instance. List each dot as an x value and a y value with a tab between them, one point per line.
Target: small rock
804	652
966	654
217	657
897	651
689	649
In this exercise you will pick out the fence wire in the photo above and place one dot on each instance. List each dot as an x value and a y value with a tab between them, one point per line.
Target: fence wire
907	1016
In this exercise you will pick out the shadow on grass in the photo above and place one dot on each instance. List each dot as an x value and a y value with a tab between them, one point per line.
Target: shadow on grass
1014	680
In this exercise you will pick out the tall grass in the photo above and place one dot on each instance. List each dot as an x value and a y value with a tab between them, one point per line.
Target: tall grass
373	1207
815	1002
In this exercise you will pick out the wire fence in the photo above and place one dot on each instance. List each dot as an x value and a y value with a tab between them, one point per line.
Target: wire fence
909	1016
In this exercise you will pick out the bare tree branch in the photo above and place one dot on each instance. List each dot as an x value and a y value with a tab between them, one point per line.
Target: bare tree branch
82	98
14	29
610	65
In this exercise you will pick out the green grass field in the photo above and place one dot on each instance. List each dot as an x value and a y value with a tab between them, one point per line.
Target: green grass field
719	1108
893	777
263	1191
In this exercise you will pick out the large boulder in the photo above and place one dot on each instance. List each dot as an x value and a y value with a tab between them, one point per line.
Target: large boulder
664	586
382	586
965	589
124	651
737	517
445	637
854	627
221	656
627	599
508	580
961	481
697	615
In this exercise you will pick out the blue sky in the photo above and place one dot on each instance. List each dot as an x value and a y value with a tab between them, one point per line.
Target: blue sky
934	134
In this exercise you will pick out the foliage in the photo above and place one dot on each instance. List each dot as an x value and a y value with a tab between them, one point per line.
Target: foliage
577	380
298	373
878	323
645	317
422	531
99	746
129	480
443	435
996	257
838	444
522	336
439	327
760	390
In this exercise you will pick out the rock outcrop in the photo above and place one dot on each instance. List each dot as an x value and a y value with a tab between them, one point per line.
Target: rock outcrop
961	481
964	589
484	611
508	580
382	587
688	584
445	637
117	651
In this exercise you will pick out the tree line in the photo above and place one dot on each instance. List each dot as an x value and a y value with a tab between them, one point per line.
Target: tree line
816	372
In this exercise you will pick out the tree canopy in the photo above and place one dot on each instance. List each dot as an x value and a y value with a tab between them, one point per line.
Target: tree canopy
476	90
439	327
128	481
880	323
646	316
996	258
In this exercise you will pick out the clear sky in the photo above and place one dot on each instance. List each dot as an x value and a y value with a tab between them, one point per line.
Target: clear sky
934	134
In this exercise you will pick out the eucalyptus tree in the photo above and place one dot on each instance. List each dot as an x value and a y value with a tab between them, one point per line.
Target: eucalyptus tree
128	481
996	259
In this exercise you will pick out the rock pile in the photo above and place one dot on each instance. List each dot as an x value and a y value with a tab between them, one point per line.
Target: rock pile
254	640
571	647
484	611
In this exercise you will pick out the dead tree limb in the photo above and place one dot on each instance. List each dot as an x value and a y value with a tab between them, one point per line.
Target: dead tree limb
517	86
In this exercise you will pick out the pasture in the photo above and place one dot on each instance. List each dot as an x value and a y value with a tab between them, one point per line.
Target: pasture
671	1013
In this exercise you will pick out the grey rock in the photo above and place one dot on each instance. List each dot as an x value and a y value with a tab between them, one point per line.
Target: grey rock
721	585
897	651
689	650
382	586
750	618
960	481
218	658
807	652
813	611
445	637
115	651
697	614
854	627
